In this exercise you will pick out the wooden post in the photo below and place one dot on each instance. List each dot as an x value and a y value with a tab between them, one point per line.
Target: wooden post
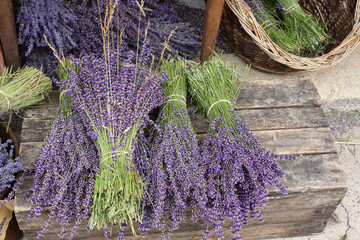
2	63
213	14
8	37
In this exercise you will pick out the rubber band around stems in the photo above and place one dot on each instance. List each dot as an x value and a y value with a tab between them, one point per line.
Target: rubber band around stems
222	100
291	8
7	99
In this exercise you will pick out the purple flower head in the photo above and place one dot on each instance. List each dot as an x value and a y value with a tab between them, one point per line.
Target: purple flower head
8	166
65	169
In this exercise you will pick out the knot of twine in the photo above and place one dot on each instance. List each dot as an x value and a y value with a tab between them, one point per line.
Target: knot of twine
7	99
291	8
63	93
222	100
177	99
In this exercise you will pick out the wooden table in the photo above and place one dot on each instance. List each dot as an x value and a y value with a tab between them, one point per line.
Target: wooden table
286	117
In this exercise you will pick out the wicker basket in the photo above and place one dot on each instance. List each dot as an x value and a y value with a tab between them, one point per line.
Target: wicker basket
248	39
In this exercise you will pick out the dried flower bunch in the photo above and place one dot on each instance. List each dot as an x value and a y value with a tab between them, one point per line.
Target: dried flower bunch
114	101
174	180
104	104
238	171
25	87
96	164
8	165
73	27
290	26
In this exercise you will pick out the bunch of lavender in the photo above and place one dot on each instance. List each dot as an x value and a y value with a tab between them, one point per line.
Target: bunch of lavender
174	180
238	170
8	166
73	27
25	87
290	27
310	34
65	170
56	19
114	98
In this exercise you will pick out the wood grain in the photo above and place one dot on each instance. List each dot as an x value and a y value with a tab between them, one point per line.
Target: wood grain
2	61
212	21
275	93
273	118
8	34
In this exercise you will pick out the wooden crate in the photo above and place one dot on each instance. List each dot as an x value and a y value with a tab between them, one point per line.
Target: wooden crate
287	118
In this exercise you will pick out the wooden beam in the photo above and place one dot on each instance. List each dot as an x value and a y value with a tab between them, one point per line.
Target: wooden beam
8	34
213	14
2	63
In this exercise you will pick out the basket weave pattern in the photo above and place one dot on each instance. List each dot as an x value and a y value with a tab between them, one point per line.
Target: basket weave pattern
247	38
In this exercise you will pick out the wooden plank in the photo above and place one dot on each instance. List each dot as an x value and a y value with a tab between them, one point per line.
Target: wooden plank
312	172
273	118
295	141
46	110
8	34
273	94
34	130
2	61
28	151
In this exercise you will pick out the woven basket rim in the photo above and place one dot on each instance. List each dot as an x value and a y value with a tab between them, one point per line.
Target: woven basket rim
249	23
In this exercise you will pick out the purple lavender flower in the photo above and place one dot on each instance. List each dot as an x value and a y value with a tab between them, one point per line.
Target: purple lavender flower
238	173
238	170
73	27
65	171
8	166
113	99
174	180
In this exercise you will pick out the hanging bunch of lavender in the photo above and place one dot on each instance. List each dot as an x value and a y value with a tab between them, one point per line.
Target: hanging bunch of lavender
114	99
238	170
8	166
65	169
290	26
174	180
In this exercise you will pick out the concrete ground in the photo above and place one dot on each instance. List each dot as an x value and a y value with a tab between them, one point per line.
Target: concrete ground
339	89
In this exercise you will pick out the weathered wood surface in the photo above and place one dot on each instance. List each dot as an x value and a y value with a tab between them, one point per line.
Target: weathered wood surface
8	34
287	119
276	94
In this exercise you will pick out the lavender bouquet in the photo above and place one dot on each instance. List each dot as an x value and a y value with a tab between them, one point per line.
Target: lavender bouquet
8	166
25	87
290	26
64	169
113	99
174	180
73	27
238	170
